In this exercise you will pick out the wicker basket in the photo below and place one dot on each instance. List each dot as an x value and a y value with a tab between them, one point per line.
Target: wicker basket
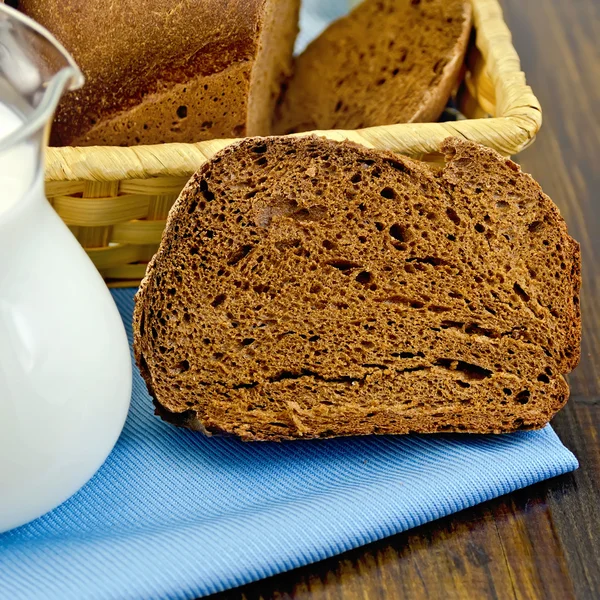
116	200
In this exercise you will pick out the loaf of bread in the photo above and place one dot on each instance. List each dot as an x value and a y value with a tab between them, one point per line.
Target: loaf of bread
161	71
308	288
388	61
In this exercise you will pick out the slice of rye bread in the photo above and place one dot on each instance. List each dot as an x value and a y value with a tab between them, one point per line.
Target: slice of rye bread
310	288
406	52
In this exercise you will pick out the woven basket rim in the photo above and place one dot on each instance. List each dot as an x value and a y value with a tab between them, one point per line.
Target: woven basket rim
518	121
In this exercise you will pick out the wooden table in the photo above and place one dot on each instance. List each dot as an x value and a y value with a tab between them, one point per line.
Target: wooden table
543	541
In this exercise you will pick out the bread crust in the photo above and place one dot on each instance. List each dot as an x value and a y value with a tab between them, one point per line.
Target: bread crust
436	98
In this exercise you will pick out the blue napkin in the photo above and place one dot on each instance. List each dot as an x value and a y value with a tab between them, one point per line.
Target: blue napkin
174	514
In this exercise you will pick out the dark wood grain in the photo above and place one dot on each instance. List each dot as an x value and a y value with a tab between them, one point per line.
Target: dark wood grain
542	542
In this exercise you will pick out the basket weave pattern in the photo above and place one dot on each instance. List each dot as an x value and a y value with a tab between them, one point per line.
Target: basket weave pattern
116	200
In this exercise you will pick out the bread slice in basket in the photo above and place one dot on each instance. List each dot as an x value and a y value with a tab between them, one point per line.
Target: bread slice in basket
309	288
388	61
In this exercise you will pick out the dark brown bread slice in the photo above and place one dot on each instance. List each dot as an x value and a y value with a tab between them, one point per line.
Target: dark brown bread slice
388	61
309	288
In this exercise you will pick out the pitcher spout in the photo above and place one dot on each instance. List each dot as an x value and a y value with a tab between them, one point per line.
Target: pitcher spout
35	70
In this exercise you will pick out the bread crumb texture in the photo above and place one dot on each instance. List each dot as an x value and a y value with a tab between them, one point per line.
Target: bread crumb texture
309	288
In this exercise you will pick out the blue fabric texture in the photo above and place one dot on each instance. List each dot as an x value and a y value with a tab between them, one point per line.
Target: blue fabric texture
174	514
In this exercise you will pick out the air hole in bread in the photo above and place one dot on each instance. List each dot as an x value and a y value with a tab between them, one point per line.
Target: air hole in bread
451	325
475	329
521	293
218	300
398	232
438	309
143	324
471	371
408	354
343	265
208	195
239	254
434	261
364	277
523	397
438	67
453	216
182	367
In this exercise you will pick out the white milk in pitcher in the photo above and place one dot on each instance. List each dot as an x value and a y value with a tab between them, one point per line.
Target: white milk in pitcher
65	367
18	164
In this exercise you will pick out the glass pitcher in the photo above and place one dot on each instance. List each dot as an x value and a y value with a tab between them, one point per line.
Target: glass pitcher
65	369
